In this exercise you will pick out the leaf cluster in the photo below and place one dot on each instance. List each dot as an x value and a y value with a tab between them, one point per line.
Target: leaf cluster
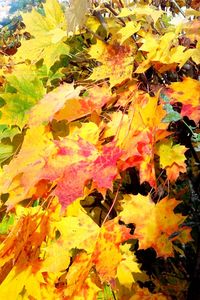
99	131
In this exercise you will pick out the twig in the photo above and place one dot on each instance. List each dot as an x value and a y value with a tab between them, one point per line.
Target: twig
114	201
114	13
95	34
177	6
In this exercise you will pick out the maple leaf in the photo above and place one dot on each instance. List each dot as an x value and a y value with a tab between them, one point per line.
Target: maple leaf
92	100
23	90
71	174
140	11
155	223
186	92
136	133
35	266
77	229
32	225
53	102
172	158
6	151
180	91
68	164
77	275
76	15
191	29
116	61
105	167
127	267
127	31
108	245
49	31
162	50
21	174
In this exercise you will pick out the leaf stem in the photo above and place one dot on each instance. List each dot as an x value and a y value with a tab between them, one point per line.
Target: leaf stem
190	129
114	201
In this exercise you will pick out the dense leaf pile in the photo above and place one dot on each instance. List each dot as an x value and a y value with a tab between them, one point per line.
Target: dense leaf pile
95	101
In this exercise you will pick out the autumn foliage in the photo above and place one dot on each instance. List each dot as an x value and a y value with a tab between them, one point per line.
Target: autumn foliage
92	105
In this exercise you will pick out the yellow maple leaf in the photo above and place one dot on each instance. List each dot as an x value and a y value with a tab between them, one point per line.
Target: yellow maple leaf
130	28
15	179
116	61
141	10
88	131
99	246
172	158
14	284
78	231
57	258
127	267
186	91
163	51
32	226
49	32
144	113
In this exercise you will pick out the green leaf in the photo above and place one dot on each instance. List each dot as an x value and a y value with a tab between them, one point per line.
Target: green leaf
172	115
8	132
6	223
195	137
22	92
44	73
5	151
106	294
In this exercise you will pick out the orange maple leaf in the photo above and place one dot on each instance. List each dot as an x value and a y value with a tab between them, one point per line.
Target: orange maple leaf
155	223
107	246
92	100
186	92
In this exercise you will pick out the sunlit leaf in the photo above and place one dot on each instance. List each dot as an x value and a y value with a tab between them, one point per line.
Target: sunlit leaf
154	222
172	158
49	33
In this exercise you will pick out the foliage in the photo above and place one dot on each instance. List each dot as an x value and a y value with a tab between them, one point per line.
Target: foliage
99	135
